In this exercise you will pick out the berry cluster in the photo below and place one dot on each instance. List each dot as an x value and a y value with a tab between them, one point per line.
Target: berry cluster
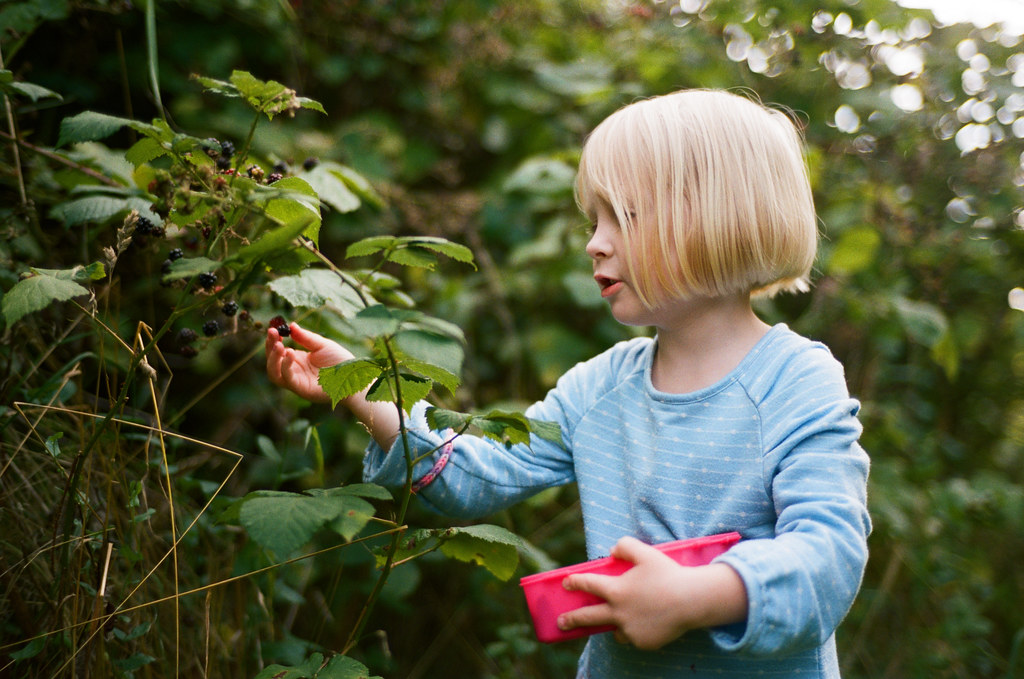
145	227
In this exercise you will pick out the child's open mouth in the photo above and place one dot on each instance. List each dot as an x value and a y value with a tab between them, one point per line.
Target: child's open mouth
609	286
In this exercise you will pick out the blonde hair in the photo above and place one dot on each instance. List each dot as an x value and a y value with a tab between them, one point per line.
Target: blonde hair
711	192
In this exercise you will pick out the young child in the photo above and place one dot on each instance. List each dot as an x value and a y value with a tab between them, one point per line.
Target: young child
698	200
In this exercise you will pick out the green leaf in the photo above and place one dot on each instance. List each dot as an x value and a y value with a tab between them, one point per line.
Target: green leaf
492	547
411	256
316	288
349	377
30	90
273	243
414	389
332	188
99	209
35	293
855	250
31	649
91	126
282	522
369	246
504	426
448	380
440	350
186	267
92	272
145	150
377	321
297	202
367	490
314	667
354	512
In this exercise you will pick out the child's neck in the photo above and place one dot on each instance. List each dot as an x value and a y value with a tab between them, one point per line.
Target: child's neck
702	341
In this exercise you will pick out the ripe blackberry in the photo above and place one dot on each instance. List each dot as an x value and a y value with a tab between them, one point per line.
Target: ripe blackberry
165	267
310	163
211	328
223	163
227	149
174	254
229	308
143	226
187	336
281	167
207	280
278	323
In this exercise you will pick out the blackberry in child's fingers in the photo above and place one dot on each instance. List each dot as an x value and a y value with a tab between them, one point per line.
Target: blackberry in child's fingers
211	328
207	280
281	325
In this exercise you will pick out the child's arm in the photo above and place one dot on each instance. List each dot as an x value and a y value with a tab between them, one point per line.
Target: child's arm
298	371
657	600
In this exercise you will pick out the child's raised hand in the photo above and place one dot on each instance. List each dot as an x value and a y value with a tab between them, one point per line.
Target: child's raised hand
298	370
657	600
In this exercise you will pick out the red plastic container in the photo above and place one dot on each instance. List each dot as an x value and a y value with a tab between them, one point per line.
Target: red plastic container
547	599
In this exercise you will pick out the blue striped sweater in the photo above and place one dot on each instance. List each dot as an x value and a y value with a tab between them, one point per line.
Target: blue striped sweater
770	451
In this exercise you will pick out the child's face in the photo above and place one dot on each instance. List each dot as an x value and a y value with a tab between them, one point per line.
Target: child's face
607	249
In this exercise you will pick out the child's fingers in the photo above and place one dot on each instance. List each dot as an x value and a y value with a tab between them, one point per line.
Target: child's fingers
587	616
632	550
307	339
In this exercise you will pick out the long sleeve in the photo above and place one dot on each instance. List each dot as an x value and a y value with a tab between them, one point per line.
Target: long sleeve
802	581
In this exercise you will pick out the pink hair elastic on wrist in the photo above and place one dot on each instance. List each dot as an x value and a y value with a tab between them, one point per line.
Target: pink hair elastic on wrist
426	479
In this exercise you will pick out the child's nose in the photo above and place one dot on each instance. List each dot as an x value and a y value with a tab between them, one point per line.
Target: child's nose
598	245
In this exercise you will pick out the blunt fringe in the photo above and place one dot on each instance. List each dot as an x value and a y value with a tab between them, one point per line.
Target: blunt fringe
712	193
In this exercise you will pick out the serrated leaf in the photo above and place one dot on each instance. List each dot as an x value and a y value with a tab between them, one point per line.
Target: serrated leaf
92	272
347	378
311	104
299	203
99	209
459	253
145	150
30	90
369	246
89	126
411	256
367	490
376	321
35	293
273	243
282	522
440	419
448	380
440	350
549	431
492	547
314	667
413	387
354	513
331	188
315	288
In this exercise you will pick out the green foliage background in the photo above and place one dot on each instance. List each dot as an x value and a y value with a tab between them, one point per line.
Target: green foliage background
466	119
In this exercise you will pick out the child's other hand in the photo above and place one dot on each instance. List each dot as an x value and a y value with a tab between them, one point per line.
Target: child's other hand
657	600
298	370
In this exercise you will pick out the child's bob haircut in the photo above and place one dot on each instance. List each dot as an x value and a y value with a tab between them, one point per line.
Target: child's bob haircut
711	192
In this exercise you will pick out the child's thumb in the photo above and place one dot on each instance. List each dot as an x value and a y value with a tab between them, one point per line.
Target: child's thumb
632	550
307	339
